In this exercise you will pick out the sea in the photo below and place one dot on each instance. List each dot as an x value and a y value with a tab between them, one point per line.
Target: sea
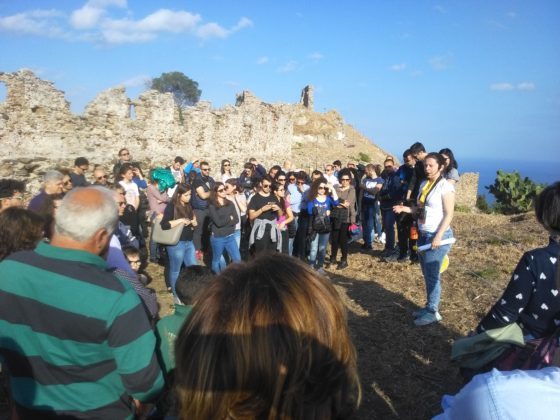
543	172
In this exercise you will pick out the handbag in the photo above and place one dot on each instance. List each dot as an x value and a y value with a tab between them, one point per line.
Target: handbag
168	236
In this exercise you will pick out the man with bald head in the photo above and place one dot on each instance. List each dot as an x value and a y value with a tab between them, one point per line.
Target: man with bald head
75	339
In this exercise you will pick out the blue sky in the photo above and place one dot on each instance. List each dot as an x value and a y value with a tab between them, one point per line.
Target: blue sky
479	77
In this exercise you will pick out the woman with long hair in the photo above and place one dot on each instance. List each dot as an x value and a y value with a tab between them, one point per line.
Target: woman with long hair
321	198
343	215
434	211
267	339
179	212
279	190
451	170
223	219
235	194
225	170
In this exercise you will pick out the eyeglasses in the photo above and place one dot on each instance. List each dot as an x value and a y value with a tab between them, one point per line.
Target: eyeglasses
99	178
69	182
266	185
134	261
345	179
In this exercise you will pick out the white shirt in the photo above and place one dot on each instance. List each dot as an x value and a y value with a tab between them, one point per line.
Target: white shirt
332	179
434	205
131	191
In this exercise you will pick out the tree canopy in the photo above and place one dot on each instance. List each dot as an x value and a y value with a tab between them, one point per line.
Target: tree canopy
185	90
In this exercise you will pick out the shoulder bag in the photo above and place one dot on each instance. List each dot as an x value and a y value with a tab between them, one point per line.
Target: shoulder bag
166	237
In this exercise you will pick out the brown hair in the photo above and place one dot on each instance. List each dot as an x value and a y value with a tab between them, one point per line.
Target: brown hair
181	210
20	229
267	339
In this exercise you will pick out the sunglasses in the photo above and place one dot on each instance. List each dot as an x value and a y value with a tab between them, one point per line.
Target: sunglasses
205	169
220	190
292	179
322	188
102	177
345	179
68	183
266	185
227	164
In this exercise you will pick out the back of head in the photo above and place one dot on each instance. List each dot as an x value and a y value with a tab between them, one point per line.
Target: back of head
417	148
191	281
80	161
84	211
547	208
20	229
267	339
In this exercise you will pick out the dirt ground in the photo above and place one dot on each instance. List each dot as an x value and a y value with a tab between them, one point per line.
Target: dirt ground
404	369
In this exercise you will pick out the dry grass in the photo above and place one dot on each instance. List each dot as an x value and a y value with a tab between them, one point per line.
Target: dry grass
406	369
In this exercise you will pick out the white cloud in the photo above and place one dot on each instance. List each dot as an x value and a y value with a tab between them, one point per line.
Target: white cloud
526	86
93	22
262	60
243	23
440	62
398	67
502	86
134	81
87	17
212	30
316	56
35	22
288	67
507	86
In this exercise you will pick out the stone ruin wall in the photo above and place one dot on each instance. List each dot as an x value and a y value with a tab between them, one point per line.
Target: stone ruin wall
38	131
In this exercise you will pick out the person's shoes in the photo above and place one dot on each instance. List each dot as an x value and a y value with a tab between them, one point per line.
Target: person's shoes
321	271
414	259
427	319
342	265
366	246
402	258
419	312
391	257
382	238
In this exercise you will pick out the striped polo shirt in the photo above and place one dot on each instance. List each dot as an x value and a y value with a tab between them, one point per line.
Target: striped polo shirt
75	339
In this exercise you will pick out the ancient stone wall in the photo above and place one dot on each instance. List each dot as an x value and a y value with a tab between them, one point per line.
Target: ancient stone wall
38	131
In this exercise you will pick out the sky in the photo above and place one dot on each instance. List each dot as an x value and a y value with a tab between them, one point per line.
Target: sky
480	77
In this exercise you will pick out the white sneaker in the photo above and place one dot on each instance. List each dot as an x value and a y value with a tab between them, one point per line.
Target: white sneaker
382	238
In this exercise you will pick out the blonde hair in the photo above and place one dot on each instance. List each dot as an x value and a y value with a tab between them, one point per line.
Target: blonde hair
267	339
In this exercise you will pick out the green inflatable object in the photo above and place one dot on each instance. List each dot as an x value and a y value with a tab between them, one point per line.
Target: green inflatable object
164	177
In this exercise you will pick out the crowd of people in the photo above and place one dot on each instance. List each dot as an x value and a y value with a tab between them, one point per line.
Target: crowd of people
262	338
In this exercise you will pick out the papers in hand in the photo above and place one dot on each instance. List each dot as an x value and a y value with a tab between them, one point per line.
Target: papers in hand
448	241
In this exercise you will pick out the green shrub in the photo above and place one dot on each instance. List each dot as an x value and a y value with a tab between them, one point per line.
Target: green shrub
482	204
364	157
513	194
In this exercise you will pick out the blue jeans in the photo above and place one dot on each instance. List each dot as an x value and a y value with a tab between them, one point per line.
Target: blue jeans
291	240
318	249
430	262
219	244
389	220
371	220
182	253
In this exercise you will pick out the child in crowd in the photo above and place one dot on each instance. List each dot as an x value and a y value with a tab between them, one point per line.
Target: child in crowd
133	257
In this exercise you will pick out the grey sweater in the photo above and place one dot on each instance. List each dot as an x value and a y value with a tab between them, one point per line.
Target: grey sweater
223	219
